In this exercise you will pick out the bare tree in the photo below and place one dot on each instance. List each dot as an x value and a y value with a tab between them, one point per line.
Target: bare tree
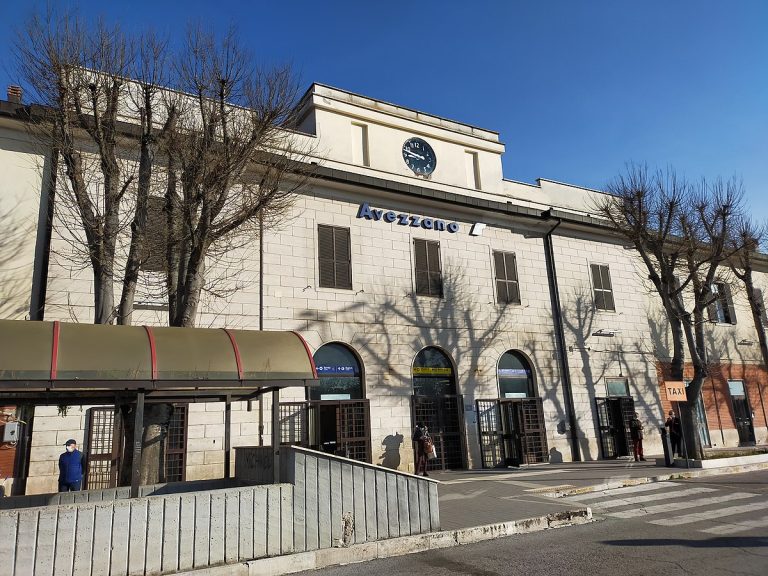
77	73
232	158
746	246
683	234
205	129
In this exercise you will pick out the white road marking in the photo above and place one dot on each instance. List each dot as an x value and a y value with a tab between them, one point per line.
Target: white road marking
625	490
711	514
734	527
672	506
650	498
499	477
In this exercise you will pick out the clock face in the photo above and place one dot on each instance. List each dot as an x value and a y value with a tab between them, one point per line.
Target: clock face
419	156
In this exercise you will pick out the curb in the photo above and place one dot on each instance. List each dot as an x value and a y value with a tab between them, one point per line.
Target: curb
556	492
327	557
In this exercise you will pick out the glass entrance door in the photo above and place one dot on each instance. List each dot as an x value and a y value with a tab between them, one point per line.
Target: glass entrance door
742	413
614	416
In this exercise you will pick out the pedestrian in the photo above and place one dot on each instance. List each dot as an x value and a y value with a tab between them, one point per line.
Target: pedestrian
636	433
675	428
70	468
420	435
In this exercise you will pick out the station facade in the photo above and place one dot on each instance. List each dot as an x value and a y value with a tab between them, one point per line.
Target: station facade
430	289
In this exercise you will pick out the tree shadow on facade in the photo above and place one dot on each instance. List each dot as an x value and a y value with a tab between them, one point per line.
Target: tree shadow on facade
14	289
395	328
603	357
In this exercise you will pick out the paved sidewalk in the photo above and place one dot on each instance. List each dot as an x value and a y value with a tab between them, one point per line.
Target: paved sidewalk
478	505
477	497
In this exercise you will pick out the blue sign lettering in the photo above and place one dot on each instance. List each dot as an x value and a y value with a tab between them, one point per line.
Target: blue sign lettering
412	220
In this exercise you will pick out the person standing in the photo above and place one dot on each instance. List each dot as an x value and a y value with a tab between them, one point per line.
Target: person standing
636	433
419	437
675	427
70	468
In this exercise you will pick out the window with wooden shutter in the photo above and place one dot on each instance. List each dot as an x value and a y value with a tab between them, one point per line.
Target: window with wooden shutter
721	309
334	256
429	280
507	286
603	289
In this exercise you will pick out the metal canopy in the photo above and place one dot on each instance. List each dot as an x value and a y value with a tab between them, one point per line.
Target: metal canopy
46	362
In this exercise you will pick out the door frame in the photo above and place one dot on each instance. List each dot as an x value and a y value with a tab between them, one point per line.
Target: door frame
750	441
509	415
608	431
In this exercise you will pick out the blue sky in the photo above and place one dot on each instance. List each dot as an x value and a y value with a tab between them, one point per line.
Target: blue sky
575	89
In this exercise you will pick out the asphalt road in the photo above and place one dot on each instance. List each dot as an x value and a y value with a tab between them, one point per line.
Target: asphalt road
709	526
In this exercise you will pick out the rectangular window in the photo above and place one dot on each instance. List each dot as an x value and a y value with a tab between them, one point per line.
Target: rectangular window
334	255
473	170
507	286
429	280
617	386
721	308
360	145
601	283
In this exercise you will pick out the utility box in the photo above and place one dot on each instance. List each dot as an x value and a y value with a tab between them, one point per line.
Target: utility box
11	432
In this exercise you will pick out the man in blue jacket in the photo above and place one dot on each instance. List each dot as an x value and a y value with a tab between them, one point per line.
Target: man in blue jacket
70	468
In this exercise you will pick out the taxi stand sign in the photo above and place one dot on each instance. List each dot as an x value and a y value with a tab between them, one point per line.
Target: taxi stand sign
675	390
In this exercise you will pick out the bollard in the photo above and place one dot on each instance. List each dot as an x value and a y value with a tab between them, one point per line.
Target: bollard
668	456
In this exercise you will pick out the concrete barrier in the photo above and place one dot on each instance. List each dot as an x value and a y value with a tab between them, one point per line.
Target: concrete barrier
339	501
150	535
324	501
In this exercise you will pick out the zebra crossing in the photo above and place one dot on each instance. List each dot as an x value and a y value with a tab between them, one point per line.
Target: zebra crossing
719	512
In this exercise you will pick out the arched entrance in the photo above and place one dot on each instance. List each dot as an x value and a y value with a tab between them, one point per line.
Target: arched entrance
436	404
335	418
511	427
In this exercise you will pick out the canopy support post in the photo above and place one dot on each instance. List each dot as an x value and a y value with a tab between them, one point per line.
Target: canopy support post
276	436
227	435
138	436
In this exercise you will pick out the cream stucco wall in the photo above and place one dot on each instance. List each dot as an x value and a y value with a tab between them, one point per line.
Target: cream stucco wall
20	188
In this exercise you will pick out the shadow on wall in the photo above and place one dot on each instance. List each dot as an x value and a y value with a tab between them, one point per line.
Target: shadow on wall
456	323
391	456
555	457
14	288
600	358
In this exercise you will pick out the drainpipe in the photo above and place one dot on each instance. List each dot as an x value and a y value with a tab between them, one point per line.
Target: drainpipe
565	371
43	240
261	318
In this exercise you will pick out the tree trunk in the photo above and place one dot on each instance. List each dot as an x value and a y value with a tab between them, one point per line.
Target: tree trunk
156	419
104	298
152	466
126	462
677	366
139	224
691	441
757	318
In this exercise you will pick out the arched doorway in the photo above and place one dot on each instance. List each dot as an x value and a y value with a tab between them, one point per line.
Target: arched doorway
515	376
335	418
436	404
512	430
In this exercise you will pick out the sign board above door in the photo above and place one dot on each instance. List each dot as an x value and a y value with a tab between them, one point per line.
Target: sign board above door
675	391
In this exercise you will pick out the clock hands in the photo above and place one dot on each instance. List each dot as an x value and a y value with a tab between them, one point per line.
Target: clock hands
419	156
